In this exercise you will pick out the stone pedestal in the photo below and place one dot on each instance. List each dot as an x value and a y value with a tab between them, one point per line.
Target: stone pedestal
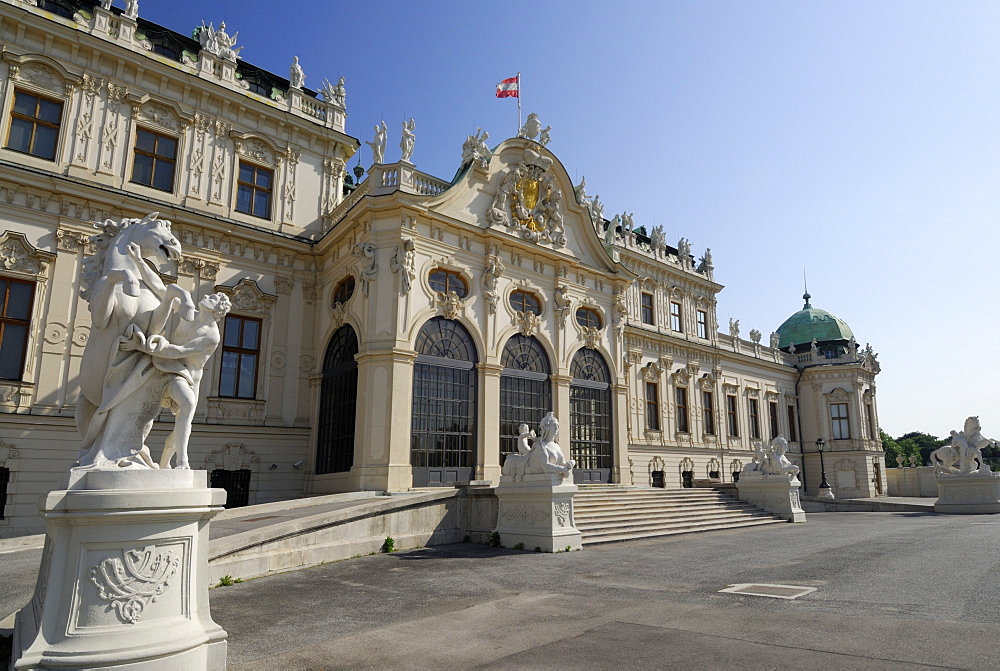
778	494
537	510
973	493
124	575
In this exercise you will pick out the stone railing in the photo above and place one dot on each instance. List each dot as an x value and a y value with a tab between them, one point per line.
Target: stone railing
426	185
338	213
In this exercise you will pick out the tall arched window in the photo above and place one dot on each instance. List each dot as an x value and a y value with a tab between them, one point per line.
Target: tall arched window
590	417
525	389
443	442
337	404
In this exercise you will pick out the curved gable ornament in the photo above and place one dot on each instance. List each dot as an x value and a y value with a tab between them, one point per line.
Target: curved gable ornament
528	200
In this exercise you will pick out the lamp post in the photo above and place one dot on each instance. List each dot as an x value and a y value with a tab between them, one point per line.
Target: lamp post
825	491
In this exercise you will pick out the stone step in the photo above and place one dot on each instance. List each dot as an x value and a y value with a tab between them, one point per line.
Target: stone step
588	518
612	514
662	521
589	539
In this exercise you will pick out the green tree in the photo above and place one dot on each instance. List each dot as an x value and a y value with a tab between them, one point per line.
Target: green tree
921	444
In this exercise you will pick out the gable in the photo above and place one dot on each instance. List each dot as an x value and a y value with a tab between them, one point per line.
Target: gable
524	196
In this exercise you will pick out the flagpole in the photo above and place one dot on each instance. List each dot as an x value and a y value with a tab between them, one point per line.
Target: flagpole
518	101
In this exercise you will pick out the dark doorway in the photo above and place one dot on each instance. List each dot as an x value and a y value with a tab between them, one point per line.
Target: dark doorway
590	418
687	479
236	484
338	404
658	479
443	440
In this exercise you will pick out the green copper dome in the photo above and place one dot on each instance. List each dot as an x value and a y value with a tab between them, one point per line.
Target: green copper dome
809	323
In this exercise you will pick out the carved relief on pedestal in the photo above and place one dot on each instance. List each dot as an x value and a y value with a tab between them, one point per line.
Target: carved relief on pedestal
136	579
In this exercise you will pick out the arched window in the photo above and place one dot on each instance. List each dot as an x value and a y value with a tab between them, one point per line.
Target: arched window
590	417
443	429
524	301
525	389
588	318
446	281
337	404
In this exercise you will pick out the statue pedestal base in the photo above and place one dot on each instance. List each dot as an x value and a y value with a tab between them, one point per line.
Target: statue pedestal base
124	575
537	511
777	494
968	494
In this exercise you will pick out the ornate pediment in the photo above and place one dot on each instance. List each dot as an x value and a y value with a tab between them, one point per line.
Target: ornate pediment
681	377
838	395
18	256
247	298
529	201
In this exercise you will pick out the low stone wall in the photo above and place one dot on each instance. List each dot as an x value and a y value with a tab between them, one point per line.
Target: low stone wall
911	481
412	520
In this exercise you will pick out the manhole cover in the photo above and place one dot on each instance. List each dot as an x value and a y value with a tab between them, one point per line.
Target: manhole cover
258	519
773	591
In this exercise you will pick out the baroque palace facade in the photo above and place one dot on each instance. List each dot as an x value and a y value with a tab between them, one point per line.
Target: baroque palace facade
385	335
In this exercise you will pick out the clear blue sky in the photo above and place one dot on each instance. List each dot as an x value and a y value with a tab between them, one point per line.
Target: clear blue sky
856	140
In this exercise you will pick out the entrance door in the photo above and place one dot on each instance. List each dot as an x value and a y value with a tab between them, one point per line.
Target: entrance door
236	484
590	418
338	403
878	475
443	436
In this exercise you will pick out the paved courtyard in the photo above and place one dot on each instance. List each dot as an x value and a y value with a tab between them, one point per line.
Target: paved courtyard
893	590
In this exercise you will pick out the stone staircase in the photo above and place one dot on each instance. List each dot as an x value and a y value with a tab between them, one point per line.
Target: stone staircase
606	514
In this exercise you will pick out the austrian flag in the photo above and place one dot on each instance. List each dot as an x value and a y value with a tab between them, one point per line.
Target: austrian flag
509	88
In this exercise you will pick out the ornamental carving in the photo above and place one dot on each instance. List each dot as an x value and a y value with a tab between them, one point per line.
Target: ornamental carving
591	337
367	251
7	451
651	371
681	377
160	115
255	150
40	75
561	511
403	263
283	284
562	303
338	311
491	281
524	515
451	305
529	199
232	457
17	255
135	580
707	381
527	322
247	297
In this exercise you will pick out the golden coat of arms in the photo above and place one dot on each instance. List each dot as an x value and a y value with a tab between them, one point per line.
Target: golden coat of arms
529	199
